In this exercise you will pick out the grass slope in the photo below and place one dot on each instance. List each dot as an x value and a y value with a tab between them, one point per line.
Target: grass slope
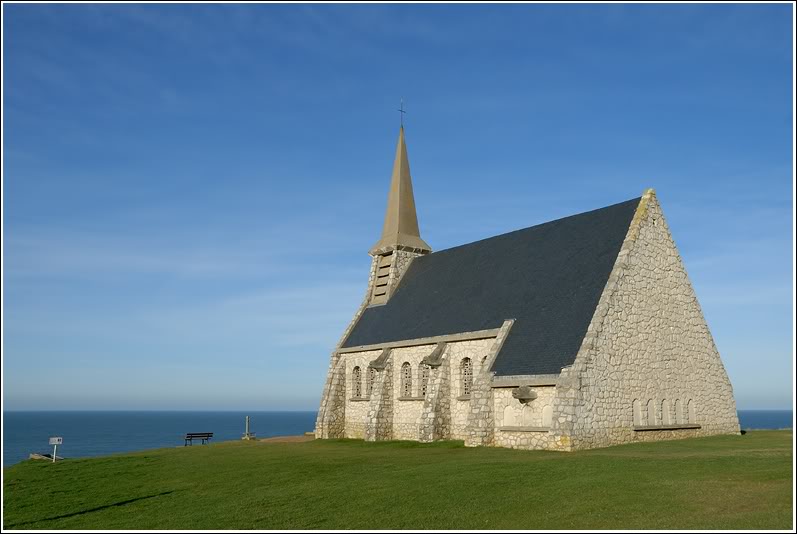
725	482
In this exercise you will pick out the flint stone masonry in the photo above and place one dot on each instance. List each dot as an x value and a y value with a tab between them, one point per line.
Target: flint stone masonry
480	414
435	422
387	414
648	341
357	411
331	419
479	353
379	420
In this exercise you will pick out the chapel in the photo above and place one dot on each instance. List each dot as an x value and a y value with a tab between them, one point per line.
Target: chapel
577	333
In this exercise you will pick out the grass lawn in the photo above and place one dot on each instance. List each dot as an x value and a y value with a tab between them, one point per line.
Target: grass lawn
725	482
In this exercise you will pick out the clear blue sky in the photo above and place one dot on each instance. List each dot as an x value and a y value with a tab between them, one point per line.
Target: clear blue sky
190	192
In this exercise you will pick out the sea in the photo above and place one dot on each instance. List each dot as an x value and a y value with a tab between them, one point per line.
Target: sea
101	433
97	433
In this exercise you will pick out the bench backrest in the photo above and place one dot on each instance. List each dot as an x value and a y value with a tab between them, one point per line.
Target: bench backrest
199	435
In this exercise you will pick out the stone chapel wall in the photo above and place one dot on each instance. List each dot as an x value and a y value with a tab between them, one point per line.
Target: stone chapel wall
648	345
357	405
514	420
477	350
408	406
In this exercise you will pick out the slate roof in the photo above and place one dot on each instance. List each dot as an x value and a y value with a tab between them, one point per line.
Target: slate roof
547	277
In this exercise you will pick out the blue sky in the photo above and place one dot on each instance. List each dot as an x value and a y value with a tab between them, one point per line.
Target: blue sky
190	192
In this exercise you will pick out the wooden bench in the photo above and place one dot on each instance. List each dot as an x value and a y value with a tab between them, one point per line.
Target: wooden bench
191	436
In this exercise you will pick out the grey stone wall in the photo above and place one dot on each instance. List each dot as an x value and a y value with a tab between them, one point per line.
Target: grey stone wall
331	419
510	414
479	352
648	341
408	408
481	423
357	407
435	422
379	421
389	413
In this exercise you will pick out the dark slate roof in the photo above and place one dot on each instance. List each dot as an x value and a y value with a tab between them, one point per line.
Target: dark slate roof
548	278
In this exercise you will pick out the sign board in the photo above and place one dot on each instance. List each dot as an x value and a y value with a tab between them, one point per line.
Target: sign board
56	441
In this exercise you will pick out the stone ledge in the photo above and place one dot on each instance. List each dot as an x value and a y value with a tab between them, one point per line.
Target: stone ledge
524	380
411	398
524	428
665	427
359	399
464	397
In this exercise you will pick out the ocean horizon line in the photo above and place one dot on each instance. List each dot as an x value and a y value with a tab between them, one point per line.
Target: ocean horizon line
131	410
208	411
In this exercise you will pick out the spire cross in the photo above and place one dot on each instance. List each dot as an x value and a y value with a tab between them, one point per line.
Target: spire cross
401	110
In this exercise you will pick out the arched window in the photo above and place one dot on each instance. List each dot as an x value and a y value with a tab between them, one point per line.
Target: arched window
637	413
509	416
690	411
679	412
406	380
466	371
547	413
369	381
651	412
356	382
424	369
665	412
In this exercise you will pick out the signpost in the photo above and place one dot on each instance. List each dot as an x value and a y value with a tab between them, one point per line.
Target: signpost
55	442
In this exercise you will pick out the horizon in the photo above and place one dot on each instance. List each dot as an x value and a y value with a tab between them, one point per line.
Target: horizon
190	191
279	411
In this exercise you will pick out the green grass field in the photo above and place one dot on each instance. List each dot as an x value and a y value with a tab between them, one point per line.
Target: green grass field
726	482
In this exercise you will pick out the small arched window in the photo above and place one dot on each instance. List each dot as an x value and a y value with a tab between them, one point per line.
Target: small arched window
406	380
651	412
679	412
637	413
356	382
690	411
369	381
424	372
466	371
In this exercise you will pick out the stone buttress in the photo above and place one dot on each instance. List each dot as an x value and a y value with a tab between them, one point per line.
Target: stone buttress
435	423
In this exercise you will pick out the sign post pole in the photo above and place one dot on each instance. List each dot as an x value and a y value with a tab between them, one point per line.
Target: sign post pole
55	442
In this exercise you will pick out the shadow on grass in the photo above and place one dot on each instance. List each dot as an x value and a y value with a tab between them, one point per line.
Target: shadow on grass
90	510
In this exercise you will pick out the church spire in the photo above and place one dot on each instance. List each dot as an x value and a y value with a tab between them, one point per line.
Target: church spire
401	222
